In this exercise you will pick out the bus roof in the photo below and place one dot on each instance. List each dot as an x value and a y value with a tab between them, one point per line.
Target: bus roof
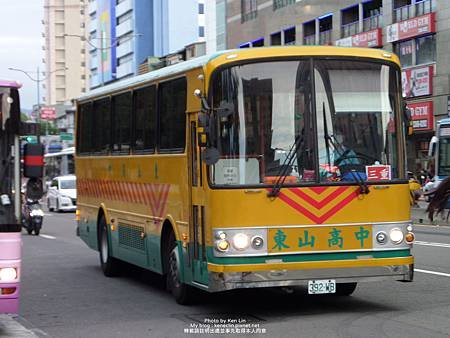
229	56
10	83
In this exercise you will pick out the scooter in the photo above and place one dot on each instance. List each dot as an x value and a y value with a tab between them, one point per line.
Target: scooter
32	216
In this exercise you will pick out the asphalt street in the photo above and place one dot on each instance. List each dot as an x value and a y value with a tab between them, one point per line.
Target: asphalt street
64	294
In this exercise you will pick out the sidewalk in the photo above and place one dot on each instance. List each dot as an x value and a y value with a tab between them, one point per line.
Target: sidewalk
10	328
420	216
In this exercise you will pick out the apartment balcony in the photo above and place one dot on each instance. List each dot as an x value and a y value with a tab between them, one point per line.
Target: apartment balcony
93	62
123	7
309	40
425	7
325	37
94	81
124	70
92	26
124	48
372	22
92	7
350	29
403	13
124	28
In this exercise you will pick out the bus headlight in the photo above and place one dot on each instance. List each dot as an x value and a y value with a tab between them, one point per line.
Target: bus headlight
8	274
396	236
241	241
222	245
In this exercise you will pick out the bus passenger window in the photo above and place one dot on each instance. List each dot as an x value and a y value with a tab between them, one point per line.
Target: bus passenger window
122	123
145	119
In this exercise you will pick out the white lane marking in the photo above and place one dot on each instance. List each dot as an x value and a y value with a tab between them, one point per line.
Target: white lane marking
440	245
433	272
47	236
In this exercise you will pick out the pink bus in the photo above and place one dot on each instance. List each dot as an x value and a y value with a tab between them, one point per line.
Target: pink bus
10	201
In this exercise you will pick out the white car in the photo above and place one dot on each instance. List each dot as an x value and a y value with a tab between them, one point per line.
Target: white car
62	194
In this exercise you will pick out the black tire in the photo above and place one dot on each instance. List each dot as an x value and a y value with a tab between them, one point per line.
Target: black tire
182	293
48	205
345	289
110	265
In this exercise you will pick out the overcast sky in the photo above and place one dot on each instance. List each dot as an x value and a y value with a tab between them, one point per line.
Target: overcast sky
21	44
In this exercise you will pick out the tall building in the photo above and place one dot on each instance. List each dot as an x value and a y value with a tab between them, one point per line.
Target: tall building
215	25
65	54
124	33
418	31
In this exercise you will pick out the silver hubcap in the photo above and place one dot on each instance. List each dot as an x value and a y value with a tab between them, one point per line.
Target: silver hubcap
174	268
104	246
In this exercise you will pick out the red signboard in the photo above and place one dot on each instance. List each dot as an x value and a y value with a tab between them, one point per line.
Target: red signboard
410	28
422	115
48	113
378	172
365	39
417	81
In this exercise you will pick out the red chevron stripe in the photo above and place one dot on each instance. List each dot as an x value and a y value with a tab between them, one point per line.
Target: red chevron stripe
165	194
318	190
310	215
319	204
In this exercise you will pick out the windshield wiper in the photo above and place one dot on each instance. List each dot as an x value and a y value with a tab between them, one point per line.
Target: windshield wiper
363	188
285	167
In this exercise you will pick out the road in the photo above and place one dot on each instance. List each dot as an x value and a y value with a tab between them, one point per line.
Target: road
64	294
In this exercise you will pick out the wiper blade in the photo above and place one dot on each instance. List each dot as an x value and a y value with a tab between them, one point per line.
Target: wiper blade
285	167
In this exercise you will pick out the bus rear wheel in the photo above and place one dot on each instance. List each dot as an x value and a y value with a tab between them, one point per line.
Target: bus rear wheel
345	289
180	291
110	265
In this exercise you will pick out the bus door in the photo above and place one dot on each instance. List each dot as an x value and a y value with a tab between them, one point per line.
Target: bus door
197	246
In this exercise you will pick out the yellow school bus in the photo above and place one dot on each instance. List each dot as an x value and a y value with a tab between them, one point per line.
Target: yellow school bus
265	167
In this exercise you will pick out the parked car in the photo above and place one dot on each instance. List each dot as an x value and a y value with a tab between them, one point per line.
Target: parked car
62	194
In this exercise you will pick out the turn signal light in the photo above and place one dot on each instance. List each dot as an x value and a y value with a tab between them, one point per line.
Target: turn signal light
77	215
409	237
8	291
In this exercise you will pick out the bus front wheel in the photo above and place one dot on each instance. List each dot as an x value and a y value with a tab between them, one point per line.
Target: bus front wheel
181	292
110	265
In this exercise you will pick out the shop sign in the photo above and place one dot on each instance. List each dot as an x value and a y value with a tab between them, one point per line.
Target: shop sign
410	28
365	39
422	115
417	81
48	113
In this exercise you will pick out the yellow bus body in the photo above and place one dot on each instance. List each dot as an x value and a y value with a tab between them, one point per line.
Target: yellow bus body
141	195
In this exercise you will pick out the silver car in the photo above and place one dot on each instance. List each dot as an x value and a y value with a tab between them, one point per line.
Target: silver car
62	194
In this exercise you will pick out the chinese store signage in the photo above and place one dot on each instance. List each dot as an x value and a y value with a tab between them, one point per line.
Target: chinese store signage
412	27
366	39
417	81
422	115
48	113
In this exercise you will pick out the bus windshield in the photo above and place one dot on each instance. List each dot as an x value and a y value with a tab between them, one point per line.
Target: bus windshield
311	124
444	156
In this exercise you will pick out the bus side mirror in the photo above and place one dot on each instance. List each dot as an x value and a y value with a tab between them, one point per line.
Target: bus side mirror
432	147
10	112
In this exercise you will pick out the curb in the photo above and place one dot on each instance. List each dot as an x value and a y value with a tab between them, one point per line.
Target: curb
11	328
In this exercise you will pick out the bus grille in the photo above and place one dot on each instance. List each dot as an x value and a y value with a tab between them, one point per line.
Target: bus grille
130	236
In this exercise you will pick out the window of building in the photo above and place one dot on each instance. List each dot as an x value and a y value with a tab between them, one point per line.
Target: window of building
125	59
404	50
201	31
145	119
372	13
426	49
248	10
416	51
349	21
403	10
101	131
201	8
275	39
277	4
122	107
125	17
258	43
245	45
289	36
172	128
309	33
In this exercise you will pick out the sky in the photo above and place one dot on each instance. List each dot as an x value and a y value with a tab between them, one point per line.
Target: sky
21	44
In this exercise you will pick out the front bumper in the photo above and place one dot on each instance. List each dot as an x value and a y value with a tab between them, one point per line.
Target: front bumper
228	277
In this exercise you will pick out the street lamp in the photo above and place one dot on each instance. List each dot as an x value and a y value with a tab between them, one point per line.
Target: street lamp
103	45
38	81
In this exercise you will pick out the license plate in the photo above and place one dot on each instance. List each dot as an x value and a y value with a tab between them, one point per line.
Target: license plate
316	287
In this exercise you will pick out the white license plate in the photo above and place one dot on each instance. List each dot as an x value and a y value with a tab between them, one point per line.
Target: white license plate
321	286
